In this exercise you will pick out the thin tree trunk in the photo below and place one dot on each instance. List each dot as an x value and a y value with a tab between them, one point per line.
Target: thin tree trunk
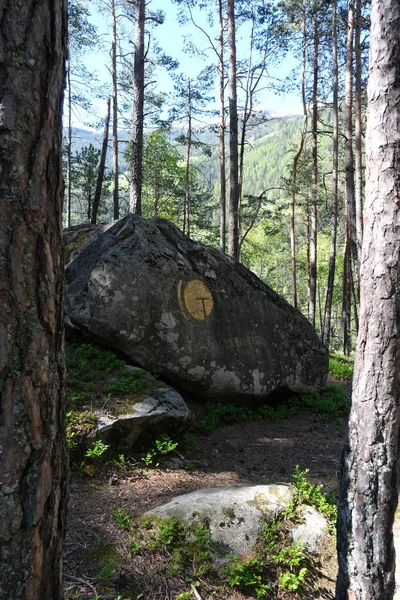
369	480
33	459
358	136
115	112
349	155
346	298
335	171
296	159
102	165
233	138
138	104
314	195
186	217
222	128
69	143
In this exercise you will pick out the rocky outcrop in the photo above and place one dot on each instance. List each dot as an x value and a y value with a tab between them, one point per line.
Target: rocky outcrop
235	515
190	314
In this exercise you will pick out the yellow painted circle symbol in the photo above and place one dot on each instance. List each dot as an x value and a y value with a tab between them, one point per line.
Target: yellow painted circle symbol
198	300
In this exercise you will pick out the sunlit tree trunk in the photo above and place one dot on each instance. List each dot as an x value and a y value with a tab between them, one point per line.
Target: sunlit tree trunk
102	165
314	194
358	130
33	460
138	104
233	137
369	480
222	129
115	112
69	144
335	172
186	216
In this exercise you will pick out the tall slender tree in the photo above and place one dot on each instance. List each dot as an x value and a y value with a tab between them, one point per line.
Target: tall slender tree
369	479
135	203
33	459
102	165
233	137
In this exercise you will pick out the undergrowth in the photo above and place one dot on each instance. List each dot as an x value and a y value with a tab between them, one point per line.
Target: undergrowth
331	403
340	366
187	551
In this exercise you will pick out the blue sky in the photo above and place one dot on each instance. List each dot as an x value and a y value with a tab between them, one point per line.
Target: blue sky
171	36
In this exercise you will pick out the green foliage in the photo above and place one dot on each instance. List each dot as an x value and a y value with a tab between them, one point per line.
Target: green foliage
161	446
184	596
107	570
128	383
340	366
87	358
189	442
79	424
307	493
97	450
247	574
330	404
122	517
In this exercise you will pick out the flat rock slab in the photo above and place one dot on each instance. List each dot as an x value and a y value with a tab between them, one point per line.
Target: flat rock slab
164	411
190	314
236	515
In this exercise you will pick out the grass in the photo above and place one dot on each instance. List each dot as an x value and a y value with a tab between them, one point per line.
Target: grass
331	403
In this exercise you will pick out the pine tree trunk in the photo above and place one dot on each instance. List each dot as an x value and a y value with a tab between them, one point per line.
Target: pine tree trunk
33	461
335	173
358	133
102	165
69	144
346	296
233	137
222	162
349	155
369	485
138	104
314	195
115	112
186	218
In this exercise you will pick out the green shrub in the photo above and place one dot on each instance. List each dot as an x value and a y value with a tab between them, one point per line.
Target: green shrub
340	366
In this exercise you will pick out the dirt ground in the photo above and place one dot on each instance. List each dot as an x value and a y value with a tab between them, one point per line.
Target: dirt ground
250	452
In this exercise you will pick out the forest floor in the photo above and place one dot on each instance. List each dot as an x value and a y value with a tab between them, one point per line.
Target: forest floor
98	559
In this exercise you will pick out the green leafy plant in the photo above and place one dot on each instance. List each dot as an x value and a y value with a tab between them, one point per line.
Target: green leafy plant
128	383
107	570
122	516
307	493
161	446
97	450
79	424
247	574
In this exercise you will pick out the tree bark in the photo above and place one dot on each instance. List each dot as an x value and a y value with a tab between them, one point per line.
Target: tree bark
358	132
102	165
233	137
369	486
222	128
138	104
69	143
115	112
296	159
314	195
335	177
349	154
186	215
33	461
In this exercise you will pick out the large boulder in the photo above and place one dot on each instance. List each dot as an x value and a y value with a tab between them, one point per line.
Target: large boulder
190	314
235	515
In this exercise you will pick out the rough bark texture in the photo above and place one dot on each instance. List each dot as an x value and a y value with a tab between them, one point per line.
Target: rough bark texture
115	112
349	154
33	460
222	127
335	173
186	215
102	165
138	103
233	138
368	495
358	131
314	197
69	145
